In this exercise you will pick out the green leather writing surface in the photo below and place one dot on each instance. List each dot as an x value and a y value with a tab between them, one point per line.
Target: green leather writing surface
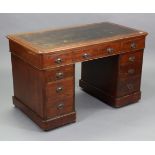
57	38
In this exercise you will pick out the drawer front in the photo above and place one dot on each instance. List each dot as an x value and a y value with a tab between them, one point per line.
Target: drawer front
131	57
59	73
86	54
97	51
128	86
133	44
60	107
110	49
60	89
130	70
54	60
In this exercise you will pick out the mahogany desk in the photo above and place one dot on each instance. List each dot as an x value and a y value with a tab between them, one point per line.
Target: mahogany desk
43	65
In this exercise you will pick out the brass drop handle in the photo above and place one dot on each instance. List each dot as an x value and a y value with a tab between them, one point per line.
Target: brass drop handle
59	89
132	58
131	71
58	61
110	50
86	55
133	45
59	75
60	106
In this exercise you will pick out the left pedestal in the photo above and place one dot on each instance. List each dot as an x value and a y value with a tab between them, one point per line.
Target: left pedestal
46	96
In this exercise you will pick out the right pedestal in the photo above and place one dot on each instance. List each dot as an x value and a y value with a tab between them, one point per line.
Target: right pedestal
115	80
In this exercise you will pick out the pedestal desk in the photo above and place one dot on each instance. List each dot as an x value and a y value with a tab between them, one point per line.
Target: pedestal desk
43	66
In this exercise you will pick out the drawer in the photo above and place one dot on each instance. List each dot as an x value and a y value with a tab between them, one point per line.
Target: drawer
128	86
110	48
133	44
59	73
59	89
97	51
86	54
60	107
131	57
129	70
54	60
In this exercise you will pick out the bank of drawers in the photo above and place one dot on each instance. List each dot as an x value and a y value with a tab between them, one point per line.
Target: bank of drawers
86	53
60	79
130	66
81	54
59	91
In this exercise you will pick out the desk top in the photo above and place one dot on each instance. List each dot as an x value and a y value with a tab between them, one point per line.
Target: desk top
54	40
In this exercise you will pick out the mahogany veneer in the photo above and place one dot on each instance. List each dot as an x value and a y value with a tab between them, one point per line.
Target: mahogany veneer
43	66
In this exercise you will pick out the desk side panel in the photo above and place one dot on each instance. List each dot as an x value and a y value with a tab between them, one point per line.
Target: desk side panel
26	54
28	83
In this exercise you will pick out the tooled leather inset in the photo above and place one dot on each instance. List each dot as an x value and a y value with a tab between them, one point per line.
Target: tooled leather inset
56	38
